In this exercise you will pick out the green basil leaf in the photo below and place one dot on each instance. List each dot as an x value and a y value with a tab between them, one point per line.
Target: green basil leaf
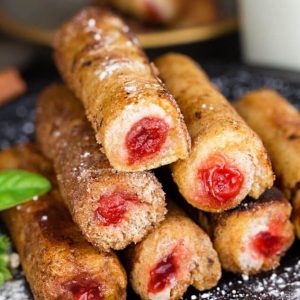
4	244
18	186
4	275
4	249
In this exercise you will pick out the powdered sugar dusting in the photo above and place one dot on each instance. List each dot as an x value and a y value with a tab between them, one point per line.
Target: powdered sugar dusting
283	283
15	290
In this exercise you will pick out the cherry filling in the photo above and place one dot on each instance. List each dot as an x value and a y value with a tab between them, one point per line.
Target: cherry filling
145	138
152	11
267	244
113	207
83	288
220	180
162	274
170	268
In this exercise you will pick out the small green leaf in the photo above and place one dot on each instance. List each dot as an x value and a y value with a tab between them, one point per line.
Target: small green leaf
4	244
18	186
4	248
4	275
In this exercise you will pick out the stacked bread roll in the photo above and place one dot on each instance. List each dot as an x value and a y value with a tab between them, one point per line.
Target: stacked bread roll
278	124
100	135
228	162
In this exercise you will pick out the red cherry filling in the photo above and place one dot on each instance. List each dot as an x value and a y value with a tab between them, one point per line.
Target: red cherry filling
162	274
220	180
267	244
172	267
83	288
152	12
145	138
112	207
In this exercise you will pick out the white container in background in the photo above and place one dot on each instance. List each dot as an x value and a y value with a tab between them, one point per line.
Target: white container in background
270	32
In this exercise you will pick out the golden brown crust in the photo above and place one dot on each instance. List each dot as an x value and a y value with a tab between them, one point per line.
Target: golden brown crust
278	124
233	230
103	64
177	228
84	174
214	127
50	245
296	211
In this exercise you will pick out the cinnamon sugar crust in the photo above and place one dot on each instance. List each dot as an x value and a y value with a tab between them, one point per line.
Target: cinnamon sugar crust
277	122
52	250
84	174
216	130
103	64
199	265
234	231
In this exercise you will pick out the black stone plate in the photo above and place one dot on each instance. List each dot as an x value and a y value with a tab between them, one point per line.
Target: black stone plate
17	126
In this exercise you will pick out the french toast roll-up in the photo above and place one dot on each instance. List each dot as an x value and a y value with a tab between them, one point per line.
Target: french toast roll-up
58	262
277	122
252	237
112	209
136	120
154	11
173	256
228	160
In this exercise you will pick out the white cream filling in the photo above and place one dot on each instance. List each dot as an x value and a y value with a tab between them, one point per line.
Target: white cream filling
164	294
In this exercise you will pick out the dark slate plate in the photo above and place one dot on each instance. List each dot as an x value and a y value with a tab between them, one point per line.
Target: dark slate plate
17	126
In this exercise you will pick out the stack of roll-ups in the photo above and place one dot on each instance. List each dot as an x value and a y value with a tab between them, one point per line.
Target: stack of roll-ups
101	133
227	163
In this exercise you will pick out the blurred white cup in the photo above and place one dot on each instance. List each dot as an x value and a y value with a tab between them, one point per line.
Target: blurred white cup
270	32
